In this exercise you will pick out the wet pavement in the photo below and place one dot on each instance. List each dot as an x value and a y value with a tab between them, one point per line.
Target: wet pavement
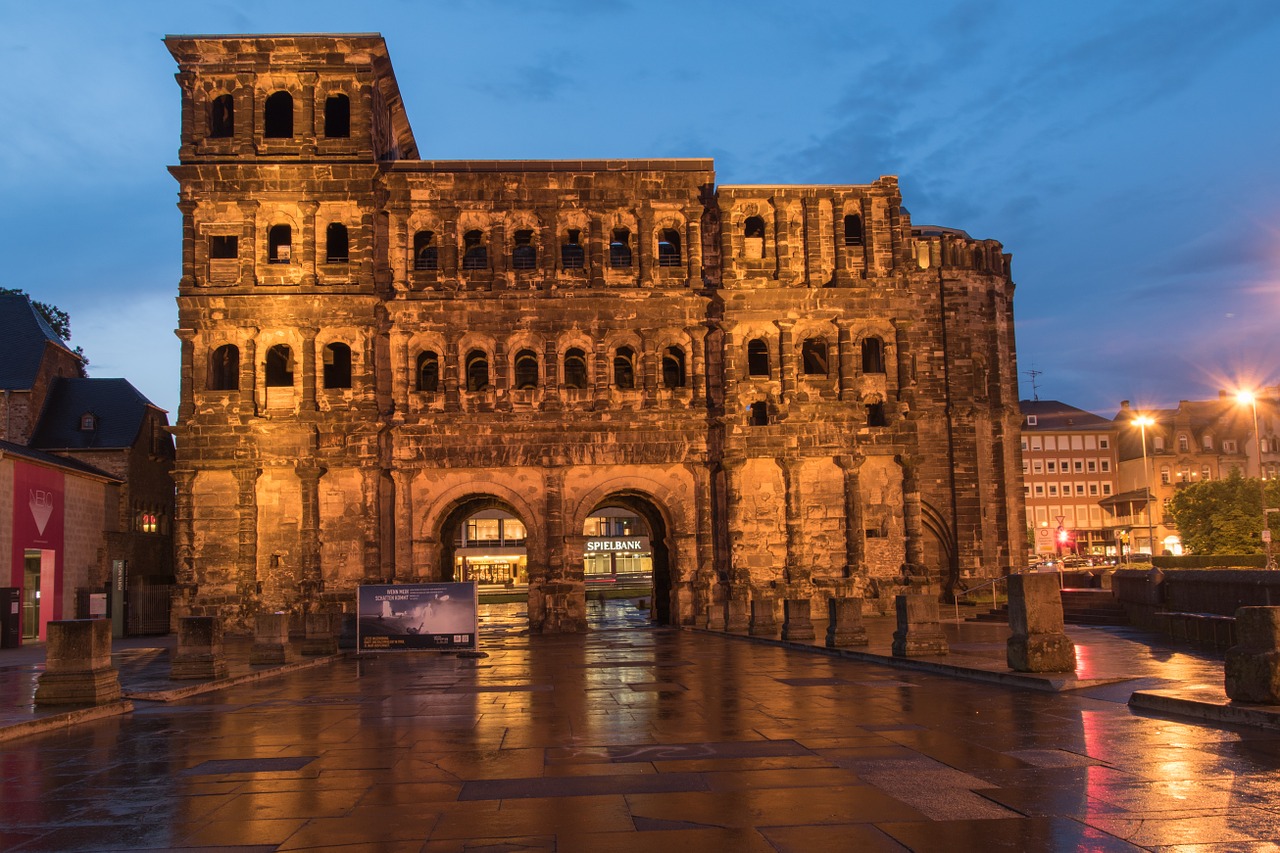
631	737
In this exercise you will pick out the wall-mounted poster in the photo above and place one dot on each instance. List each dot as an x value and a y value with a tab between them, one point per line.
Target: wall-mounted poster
417	616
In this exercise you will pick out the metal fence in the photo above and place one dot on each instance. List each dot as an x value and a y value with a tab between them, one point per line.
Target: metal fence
148	609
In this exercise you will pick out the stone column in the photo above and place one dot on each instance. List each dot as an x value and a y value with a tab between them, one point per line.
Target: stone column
1252	666
919	629
451	371
247	555
735	614
551	401
77	668
794	571
763	620
248	245
183	535
309	481
310	377
309	134
188	208
645	242
501	375
797	619
597	251
786	359
199	654
308	210
853	532
913	519
270	639
704	576
404	523
249	373
1039	642
186	404
844	623
693	246
844	353
602	375
698	363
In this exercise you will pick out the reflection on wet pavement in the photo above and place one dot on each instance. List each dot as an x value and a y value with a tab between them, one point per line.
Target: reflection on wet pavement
630	737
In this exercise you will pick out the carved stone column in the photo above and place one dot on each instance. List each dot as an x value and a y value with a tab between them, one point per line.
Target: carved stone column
602	375
844	350
249	373
698	363
247	553
795	571
309	211
186	403
451	401
913	519
188	208
183	533
404	524
310	379
248	243
309	482
786	359
853	532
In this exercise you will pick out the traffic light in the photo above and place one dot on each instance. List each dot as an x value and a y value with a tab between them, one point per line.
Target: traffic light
1064	537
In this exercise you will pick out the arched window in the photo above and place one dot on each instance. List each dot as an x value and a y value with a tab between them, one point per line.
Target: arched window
813	356
572	256
224	368
526	370
872	355
853	230
337	250
753	238
523	254
757	358
575	368
875	415
1184	444
475	254
620	249
279	244
428	371
279	372
624	368
278	116
337	366
426	255
673	368
668	248
337	117
222	117
477	370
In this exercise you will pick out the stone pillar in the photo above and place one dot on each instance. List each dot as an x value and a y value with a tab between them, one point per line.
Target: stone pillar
735	614
322	633
601	391
794	571
698	364
309	210
186	403
247	553
1252	666
786	359
77	668
199	652
844	623
188	208
311	378
403	524
551	380
270	639
1039	643
249	373
797	619
844	358
913	519
704	575
853	531
763	621
309	481
451	374
919	631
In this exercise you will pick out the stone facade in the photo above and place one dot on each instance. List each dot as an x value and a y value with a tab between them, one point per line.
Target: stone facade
798	391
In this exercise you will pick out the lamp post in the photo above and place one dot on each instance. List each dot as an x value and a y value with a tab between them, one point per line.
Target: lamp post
1250	399
1143	422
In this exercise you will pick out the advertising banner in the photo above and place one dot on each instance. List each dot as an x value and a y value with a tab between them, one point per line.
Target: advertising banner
414	617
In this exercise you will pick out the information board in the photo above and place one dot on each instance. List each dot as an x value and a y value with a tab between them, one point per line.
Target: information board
416	617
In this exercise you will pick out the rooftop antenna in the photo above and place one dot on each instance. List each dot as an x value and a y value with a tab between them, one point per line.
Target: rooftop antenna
1035	389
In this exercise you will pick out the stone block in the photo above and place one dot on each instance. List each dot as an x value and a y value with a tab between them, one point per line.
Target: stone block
270	639
844	622
736	616
1252	666
763	621
1038	642
797	619
322	631
78	667
199	653
919	629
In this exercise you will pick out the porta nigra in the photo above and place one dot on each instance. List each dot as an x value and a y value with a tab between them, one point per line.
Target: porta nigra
795	391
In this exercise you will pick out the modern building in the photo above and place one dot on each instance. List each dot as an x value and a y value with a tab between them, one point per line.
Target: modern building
790	391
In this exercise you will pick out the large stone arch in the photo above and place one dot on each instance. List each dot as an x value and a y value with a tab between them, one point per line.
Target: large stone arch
438	523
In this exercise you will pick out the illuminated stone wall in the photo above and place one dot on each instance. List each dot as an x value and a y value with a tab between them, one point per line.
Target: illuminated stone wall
799	391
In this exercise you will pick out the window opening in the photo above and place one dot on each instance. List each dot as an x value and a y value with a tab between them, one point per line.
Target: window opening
753	238
477	370
88	422
337	117
428	372
524	256
853	230
222	117
336	244
223	248
620	249
757	358
279	366
872	355
426	255
875	415
279	244
475	253
224	368
526	370
624	372
278	116
668	248
575	369
673	368
813	355
572	256
337	366
760	413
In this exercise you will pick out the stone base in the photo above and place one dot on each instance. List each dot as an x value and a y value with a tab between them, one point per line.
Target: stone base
919	644
735	615
93	687
839	638
1041	653
268	653
1252	676
198	668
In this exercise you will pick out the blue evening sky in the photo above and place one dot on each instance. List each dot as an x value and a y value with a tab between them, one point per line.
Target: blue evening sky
1125	153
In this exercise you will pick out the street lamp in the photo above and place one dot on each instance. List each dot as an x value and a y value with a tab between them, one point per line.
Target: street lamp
1143	422
1250	399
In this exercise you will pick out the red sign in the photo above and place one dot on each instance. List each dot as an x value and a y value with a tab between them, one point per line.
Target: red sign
39	513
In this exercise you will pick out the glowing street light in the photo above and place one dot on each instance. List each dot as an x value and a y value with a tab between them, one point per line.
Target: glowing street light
1142	422
1248	398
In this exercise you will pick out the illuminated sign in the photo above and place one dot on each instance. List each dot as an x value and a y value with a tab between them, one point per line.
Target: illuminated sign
638	544
407	617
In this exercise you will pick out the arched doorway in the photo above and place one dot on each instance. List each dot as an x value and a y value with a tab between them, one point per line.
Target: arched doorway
625	549
484	540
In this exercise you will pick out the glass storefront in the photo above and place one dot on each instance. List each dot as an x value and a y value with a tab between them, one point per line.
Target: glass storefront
490	550
617	548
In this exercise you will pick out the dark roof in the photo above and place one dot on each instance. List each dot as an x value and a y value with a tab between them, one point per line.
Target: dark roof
118	407
1053	415
24	336
40	456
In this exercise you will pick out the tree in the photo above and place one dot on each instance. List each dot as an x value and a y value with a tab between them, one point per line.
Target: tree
1222	516
58	320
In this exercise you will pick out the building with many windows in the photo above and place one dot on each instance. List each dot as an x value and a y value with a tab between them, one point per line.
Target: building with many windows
789	391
